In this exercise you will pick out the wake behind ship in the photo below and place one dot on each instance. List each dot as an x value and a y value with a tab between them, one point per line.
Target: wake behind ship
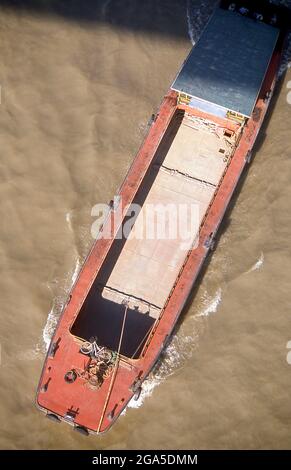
131	291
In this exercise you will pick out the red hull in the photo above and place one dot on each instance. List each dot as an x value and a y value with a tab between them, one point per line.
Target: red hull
96	410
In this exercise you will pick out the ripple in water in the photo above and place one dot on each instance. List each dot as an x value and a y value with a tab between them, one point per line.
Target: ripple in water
197	15
258	264
180	349
58	306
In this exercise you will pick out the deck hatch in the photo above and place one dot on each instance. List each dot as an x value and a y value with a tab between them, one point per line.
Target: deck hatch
228	64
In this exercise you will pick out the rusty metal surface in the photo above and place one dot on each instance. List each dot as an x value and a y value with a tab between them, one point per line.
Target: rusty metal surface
94	408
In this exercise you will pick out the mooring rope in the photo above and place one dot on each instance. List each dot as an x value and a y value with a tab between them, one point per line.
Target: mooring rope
144	338
114	372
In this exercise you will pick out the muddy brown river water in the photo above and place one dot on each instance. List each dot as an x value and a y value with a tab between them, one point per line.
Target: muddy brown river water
77	89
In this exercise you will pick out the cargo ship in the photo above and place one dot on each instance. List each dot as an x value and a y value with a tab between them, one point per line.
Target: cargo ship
130	292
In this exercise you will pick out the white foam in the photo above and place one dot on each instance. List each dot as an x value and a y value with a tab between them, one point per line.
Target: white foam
147	389
69	220
57	307
189	22
180	349
29	354
286	59
49	328
198	14
212	305
257	265
76	272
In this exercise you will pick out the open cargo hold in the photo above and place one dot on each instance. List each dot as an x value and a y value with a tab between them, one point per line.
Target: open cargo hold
186	169
131	290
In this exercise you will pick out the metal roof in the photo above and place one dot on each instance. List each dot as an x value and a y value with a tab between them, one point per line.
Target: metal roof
228	64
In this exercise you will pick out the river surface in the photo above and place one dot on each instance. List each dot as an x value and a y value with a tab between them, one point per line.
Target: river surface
77	89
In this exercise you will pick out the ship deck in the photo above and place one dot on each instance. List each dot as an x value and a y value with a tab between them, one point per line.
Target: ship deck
141	269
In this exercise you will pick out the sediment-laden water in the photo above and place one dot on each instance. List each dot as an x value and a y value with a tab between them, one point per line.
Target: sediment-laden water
78	84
